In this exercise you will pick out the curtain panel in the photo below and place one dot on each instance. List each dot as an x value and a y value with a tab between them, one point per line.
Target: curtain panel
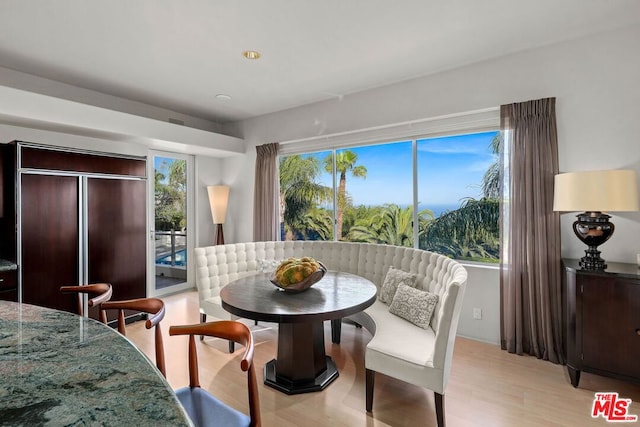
266	200
530	270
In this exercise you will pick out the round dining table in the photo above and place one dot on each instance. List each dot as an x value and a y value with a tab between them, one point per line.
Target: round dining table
58	368
301	364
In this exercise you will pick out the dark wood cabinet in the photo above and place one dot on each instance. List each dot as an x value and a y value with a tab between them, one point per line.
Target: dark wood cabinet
50	237
602	316
81	218
117	235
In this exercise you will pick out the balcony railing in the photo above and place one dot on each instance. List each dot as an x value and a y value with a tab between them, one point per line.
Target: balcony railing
171	248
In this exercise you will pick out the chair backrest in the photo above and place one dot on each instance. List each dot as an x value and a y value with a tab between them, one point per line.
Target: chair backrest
228	330
98	293
152	306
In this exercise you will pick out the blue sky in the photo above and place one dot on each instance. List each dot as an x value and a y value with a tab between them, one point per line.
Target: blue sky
161	164
449	169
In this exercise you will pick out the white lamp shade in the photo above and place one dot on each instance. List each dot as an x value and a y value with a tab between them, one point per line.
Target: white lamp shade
218	199
593	191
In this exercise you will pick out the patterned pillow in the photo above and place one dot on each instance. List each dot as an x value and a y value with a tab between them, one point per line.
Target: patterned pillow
392	280
414	305
268	265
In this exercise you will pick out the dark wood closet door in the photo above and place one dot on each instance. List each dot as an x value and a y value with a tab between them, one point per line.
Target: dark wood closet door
117	235
49	212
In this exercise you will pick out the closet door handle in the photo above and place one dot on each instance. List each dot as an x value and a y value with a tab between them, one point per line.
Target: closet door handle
638	331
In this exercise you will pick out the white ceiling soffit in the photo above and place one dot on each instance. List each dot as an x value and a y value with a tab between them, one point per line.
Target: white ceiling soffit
22	108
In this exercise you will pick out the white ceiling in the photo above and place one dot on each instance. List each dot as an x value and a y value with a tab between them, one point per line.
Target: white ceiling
179	54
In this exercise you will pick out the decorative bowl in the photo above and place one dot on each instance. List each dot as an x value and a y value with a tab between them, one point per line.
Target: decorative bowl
304	284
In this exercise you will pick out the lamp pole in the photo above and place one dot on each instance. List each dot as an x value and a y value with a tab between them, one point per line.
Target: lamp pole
219	235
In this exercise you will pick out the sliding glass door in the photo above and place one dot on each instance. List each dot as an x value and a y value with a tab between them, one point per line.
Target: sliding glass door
171	215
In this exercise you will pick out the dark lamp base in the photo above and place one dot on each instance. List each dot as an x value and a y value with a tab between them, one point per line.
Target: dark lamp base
593	229
219	235
591	260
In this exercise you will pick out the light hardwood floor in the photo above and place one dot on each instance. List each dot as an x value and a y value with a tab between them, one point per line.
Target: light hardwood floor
487	386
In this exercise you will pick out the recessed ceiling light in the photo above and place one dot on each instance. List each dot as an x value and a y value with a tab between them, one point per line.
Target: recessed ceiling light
251	54
223	96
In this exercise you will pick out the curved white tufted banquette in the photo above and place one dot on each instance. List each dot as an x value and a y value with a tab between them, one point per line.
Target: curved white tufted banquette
398	348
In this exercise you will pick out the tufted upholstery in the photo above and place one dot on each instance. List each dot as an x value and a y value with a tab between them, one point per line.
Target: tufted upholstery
398	348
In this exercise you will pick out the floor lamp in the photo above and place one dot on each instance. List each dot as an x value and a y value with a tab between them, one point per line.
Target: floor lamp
595	193
218	199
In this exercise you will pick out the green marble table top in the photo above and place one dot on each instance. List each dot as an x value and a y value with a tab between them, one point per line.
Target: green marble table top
57	368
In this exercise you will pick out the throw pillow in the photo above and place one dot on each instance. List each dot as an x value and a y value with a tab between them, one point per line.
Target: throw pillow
392	280
415	305
268	265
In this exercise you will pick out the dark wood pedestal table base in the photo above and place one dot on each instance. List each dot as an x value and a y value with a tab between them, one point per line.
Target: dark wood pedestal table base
301	365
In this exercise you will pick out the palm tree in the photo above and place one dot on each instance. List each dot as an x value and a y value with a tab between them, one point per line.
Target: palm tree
398	226
170	196
317	224
492	177
345	162
392	225
470	232
299	192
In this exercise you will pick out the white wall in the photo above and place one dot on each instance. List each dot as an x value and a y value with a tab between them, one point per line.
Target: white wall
595	81
208	172
483	292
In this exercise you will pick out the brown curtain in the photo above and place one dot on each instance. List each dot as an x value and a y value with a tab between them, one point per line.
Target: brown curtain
530	270
266	200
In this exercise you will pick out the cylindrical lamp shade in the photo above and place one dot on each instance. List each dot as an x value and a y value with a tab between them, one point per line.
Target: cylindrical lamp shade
596	191
218	199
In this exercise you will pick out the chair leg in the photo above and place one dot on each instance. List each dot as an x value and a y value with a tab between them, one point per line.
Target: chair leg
439	398
232	346
203	319
336	330
369	380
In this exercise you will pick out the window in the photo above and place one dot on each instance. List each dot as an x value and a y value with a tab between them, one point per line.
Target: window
439	194
458	187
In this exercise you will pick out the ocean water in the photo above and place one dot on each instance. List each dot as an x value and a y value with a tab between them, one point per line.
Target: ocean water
439	209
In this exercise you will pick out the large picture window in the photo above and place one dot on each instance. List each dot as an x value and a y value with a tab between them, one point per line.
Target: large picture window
439	194
458	186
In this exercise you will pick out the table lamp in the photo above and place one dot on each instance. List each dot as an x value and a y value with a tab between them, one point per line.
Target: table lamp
218	199
594	193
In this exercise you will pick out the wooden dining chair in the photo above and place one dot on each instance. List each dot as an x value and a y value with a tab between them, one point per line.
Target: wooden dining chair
97	292
152	306
202	407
